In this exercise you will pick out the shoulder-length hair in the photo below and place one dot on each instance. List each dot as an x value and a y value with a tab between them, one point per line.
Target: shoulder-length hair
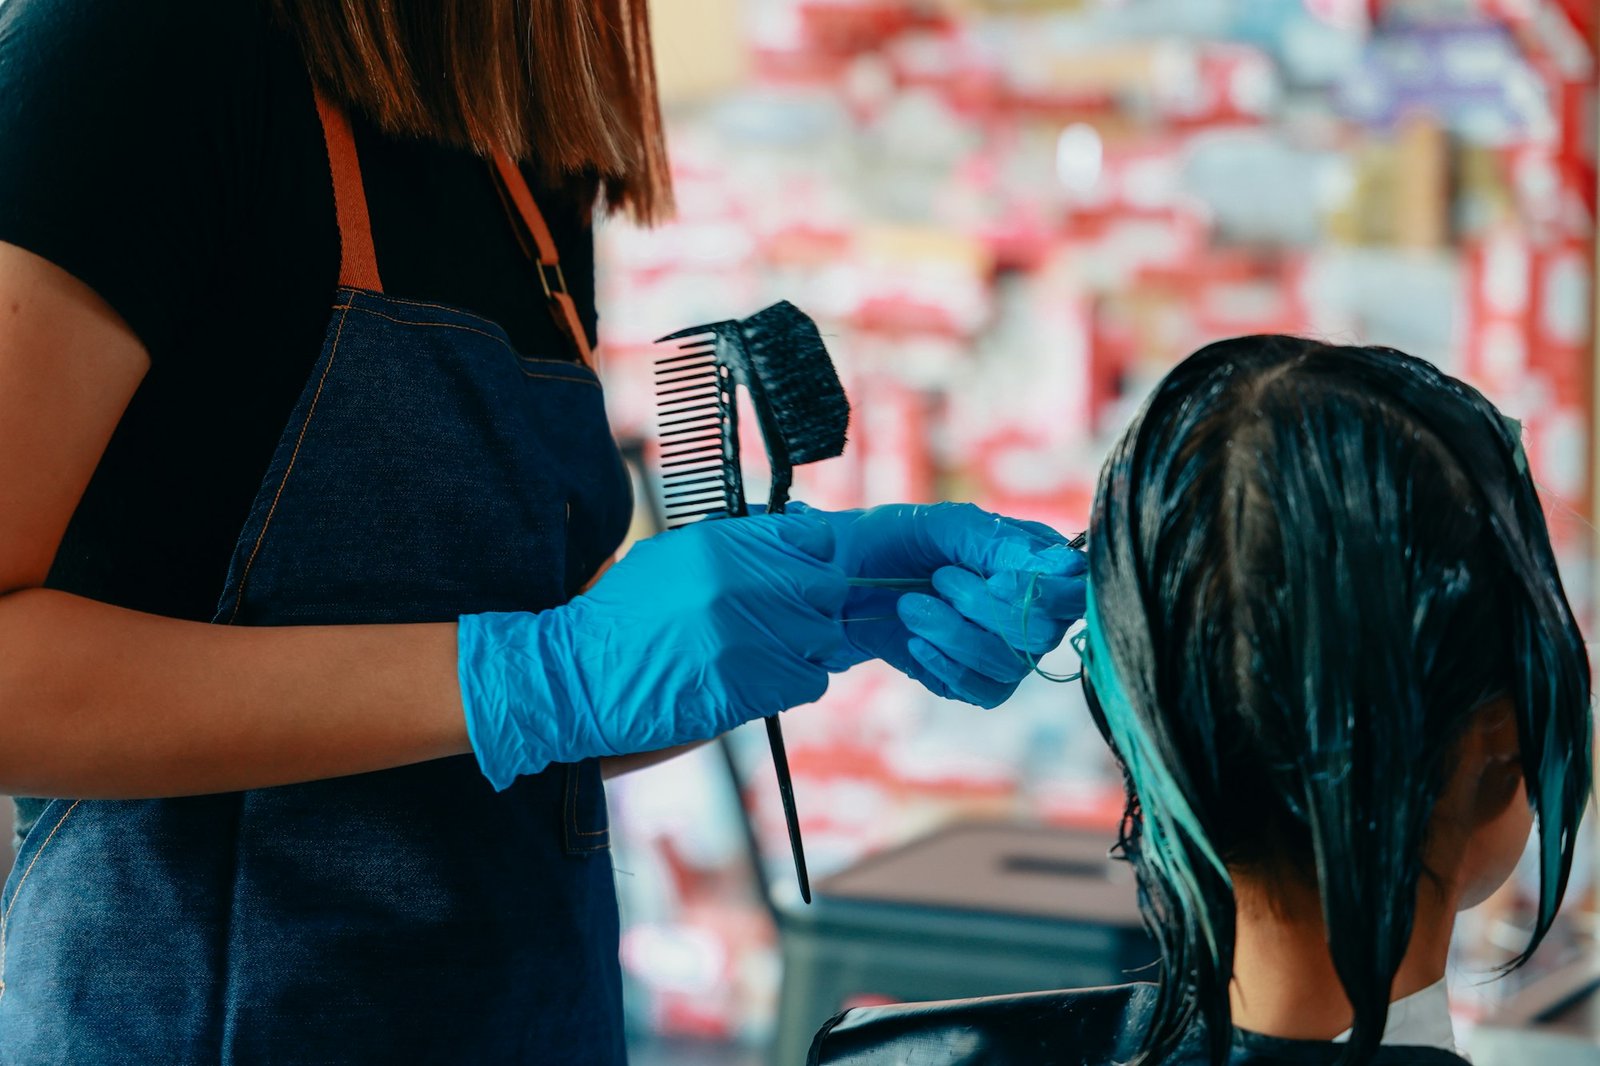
566	85
1309	566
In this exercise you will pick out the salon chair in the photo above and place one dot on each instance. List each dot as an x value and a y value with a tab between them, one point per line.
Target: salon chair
973	909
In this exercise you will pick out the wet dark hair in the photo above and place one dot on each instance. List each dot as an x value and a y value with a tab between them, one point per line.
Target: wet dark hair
1309	566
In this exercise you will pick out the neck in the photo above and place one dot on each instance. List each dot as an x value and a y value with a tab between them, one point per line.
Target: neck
1284	983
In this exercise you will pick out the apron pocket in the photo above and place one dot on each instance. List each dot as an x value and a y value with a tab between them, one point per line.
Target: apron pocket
43	833
585	824
49	822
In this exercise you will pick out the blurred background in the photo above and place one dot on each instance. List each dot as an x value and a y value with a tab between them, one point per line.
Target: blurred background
1009	218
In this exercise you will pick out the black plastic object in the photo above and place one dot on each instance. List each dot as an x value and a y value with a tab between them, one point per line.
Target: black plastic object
1086	1027
778	356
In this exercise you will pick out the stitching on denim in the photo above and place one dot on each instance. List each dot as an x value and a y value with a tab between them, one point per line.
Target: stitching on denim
440	325
463	312
575	364
577	781
221	1005
333	353
422	303
5	918
573	773
559	362
558	377
454	311
570	804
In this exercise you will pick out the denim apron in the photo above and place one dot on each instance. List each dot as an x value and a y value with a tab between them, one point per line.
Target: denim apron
412	915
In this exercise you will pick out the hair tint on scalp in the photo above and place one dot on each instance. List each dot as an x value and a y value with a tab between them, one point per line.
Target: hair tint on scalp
1309	566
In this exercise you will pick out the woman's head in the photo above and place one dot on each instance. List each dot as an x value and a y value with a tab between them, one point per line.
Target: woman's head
1320	580
567	85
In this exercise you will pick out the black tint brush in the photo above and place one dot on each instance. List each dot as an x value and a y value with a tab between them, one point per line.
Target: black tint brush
778	356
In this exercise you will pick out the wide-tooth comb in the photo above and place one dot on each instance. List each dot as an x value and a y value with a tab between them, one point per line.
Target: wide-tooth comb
699	424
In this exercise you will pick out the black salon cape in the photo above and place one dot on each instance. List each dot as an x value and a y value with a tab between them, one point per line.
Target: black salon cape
1087	1027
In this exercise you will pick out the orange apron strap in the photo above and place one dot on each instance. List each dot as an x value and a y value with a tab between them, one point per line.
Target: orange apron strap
548	263
358	262
598	574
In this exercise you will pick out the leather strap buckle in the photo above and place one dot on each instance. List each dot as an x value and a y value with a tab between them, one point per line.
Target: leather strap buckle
552	286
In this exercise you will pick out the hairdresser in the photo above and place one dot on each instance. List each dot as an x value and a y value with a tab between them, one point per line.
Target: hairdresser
308	496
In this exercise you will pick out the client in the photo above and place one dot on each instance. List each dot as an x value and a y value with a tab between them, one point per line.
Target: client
1328	645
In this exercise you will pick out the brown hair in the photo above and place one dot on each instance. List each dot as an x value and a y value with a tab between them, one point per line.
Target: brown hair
568	85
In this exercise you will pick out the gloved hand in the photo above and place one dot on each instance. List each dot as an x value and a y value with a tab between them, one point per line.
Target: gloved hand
1004	592
694	632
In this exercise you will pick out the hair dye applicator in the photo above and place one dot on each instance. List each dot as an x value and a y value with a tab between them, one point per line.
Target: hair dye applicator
779	359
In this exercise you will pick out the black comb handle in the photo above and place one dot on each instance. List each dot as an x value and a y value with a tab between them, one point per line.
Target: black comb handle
777	501
791	815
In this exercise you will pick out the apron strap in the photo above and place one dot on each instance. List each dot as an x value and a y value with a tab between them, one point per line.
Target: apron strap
547	263
358	262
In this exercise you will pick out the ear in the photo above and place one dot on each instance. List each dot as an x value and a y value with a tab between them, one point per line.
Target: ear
1484	766
1488	766
1494	735
1490	809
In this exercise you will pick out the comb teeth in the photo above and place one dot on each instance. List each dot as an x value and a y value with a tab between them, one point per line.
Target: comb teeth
708	391
680	417
694	496
690	378
698	392
705	411
706	367
694	394
703	496
684	516
714	486
684	480
694	386
697	506
704	455
686	428
685	354
688	442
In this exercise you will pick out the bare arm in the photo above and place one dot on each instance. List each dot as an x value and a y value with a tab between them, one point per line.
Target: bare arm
617	765
96	701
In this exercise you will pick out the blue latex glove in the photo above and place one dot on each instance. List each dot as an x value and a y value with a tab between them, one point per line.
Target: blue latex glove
694	632
1004	594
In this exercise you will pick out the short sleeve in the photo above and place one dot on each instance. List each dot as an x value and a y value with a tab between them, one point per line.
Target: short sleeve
108	167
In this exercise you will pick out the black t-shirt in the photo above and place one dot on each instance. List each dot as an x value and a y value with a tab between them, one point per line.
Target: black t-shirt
167	153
